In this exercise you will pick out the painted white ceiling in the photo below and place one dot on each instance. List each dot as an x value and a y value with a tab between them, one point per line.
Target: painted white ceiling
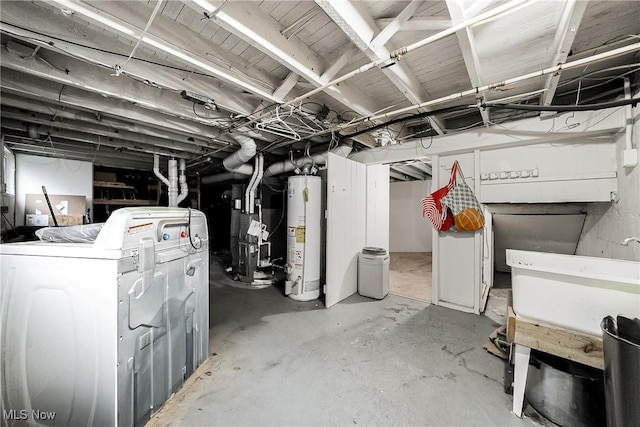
69	89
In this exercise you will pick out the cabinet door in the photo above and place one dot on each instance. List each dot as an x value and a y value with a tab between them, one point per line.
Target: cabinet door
346	226
457	257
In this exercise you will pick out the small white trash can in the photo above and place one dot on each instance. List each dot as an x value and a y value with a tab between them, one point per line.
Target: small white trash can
373	272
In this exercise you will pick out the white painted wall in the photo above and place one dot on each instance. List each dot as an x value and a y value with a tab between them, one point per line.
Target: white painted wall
59	176
607	224
581	171
408	230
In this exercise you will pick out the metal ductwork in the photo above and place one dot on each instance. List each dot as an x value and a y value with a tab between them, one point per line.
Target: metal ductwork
317	159
253	184
236	163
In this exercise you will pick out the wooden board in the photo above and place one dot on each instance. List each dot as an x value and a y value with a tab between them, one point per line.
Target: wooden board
565	343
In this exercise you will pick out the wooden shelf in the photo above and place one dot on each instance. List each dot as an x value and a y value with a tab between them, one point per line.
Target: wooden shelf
562	342
108	184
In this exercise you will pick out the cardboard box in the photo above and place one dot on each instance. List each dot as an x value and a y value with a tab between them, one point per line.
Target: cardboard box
37	220
61	204
66	220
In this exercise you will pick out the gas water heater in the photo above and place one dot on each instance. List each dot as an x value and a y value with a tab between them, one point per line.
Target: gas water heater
303	237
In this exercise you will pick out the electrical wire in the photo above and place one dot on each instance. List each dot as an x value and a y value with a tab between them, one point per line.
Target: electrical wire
189	232
412	117
562	108
120	69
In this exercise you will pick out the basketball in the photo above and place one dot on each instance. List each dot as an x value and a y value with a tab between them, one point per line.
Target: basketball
468	219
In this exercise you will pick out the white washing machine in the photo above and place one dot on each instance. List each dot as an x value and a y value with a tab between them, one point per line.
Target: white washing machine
103	333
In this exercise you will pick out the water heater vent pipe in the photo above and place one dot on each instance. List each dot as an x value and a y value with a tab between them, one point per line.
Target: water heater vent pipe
182	179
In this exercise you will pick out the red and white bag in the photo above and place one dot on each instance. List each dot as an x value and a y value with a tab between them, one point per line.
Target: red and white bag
439	215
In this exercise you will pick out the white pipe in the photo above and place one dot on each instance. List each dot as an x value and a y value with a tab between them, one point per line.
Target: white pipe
182	179
236	161
629	116
318	159
235	164
252	196
156	169
398	53
173	183
247	199
508	82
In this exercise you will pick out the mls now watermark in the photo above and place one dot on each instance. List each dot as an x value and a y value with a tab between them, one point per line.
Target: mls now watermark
24	414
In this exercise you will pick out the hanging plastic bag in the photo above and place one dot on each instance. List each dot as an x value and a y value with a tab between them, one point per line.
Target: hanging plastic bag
441	218
467	212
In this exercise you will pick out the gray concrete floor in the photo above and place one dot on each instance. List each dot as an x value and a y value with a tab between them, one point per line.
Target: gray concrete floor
398	361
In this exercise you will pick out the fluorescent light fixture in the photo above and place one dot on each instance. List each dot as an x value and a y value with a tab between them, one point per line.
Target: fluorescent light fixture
76	7
208	7
203	65
171	50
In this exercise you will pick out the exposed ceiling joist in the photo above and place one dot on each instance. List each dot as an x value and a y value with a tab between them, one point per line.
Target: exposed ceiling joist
360	27
66	112
398	22
88	138
565	34
338	64
406	170
421	166
398	176
417	24
286	86
247	21
45	122
155	74
83	76
468	48
162	43
98	158
90	151
61	88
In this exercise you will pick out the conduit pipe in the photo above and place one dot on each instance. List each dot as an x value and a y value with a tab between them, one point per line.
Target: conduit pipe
396	54
317	159
182	179
247	199
508	82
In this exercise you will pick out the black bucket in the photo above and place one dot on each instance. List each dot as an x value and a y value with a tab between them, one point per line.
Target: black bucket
621	371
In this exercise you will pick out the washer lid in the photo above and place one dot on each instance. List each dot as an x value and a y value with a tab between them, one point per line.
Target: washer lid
371	250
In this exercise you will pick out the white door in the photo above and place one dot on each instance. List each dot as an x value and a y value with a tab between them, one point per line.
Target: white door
457	257
378	206
487	258
346	226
